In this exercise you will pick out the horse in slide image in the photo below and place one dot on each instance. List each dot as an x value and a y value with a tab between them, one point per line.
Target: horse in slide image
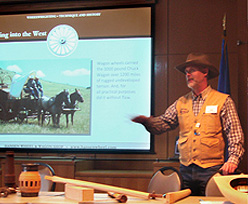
53	106
75	97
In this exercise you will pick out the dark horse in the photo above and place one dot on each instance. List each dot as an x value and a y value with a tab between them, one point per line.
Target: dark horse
53	106
71	109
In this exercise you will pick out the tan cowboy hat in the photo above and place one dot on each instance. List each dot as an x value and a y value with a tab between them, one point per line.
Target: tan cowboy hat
199	60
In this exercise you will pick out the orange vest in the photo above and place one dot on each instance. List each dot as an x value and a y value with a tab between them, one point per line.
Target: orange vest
200	137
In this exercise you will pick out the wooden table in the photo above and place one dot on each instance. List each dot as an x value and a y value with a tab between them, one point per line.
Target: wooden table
204	200
58	198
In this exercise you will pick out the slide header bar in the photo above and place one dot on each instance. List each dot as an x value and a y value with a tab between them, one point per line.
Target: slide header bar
96	23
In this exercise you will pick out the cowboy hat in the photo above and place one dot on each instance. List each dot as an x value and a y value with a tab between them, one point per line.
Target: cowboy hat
199	60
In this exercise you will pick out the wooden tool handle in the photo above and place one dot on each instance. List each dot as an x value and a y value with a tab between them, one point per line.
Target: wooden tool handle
121	198
101	187
175	196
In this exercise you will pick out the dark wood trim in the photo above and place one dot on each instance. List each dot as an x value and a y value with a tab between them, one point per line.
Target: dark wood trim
25	6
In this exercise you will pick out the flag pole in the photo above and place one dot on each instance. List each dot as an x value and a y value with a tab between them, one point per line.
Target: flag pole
224	25
224	28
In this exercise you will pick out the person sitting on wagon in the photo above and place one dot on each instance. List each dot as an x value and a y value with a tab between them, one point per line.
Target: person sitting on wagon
39	86
31	88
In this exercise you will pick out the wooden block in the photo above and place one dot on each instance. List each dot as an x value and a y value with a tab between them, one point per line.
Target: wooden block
79	193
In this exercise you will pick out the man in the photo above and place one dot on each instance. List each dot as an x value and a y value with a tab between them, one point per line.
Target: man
39	86
31	88
205	118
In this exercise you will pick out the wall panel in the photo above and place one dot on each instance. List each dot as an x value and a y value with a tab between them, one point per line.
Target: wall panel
242	23
161	27
197	25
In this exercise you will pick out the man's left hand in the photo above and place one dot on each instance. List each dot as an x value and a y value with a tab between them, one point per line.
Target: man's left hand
228	168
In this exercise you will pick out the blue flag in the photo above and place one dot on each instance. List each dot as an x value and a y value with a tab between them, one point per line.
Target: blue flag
224	80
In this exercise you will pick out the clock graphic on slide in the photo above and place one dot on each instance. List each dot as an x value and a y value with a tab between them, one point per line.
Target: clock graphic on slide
62	40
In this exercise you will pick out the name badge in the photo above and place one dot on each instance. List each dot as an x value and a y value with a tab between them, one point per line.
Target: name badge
211	109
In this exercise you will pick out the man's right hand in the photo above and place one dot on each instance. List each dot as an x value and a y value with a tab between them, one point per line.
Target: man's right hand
140	119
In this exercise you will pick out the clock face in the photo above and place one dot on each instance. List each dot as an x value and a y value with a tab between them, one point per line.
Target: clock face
62	40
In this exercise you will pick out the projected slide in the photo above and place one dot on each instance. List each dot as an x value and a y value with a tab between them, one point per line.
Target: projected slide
104	56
